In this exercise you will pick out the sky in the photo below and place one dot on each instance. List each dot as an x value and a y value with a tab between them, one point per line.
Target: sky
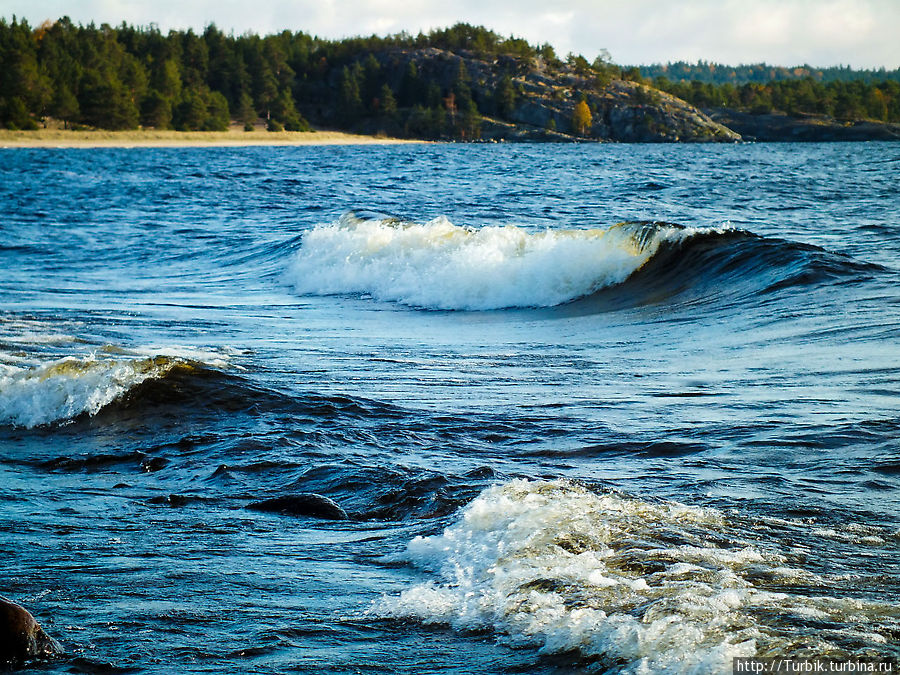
859	33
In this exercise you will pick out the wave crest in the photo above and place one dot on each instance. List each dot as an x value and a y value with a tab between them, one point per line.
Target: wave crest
67	388
644	586
439	265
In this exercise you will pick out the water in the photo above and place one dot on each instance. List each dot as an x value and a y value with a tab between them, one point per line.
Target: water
564	444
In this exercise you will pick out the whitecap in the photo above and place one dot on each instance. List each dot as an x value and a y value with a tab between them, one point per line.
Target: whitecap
439	265
636	585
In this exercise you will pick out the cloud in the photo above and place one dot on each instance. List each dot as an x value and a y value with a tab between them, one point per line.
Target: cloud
861	33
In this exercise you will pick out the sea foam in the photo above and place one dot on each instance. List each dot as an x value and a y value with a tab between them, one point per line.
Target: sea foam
63	389
633	585
439	265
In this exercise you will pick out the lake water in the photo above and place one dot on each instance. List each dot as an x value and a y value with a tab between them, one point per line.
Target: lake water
587	408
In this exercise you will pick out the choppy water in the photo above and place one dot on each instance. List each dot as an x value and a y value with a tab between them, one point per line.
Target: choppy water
587	408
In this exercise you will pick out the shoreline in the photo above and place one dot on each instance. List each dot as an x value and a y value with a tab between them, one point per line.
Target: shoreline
151	138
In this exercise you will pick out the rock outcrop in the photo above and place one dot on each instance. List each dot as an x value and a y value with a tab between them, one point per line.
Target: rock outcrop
21	637
622	111
542	104
813	128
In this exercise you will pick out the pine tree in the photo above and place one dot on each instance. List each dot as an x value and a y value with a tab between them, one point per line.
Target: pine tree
470	127
217	115
349	99
156	110
411	86
191	111
64	105
246	111
387	102
285	112
505	97
105	103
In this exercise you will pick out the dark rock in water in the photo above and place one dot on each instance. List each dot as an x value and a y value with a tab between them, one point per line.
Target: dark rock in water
302	504
170	500
21	637
154	464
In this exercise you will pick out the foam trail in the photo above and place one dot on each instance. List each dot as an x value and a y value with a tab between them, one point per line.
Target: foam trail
632	585
438	265
66	388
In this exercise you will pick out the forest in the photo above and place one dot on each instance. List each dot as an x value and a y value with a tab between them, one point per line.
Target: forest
844	100
125	77
761	73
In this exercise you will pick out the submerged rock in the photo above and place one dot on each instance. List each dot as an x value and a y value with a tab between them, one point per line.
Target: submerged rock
302	504
21	637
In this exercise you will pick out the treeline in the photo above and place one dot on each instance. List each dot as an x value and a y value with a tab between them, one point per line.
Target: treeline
122	77
852	100
415	85
119	78
761	73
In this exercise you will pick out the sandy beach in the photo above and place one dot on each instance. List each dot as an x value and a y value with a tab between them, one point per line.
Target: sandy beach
236	136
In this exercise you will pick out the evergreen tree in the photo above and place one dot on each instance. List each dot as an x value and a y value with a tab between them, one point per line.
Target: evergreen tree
411	86
349	100
387	102
246	111
266	92
217	116
505	97
433	97
14	114
166	79
156	110
470	125
371	81
64	105
286	113
105	103
190	113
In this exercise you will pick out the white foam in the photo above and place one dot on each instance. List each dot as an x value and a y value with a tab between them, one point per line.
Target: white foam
438	265
626	582
66	388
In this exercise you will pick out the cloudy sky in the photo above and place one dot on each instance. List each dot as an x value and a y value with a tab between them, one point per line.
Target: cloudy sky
861	33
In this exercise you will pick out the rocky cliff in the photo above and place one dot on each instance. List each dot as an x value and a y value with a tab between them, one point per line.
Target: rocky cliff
542	104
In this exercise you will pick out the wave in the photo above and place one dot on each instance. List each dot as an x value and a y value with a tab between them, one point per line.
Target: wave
732	265
632	585
116	385
439	265
67	388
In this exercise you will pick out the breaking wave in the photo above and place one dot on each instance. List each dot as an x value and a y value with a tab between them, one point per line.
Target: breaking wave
64	389
630	585
439	265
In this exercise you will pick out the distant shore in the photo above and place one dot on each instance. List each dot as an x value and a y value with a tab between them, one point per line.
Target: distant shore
150	138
